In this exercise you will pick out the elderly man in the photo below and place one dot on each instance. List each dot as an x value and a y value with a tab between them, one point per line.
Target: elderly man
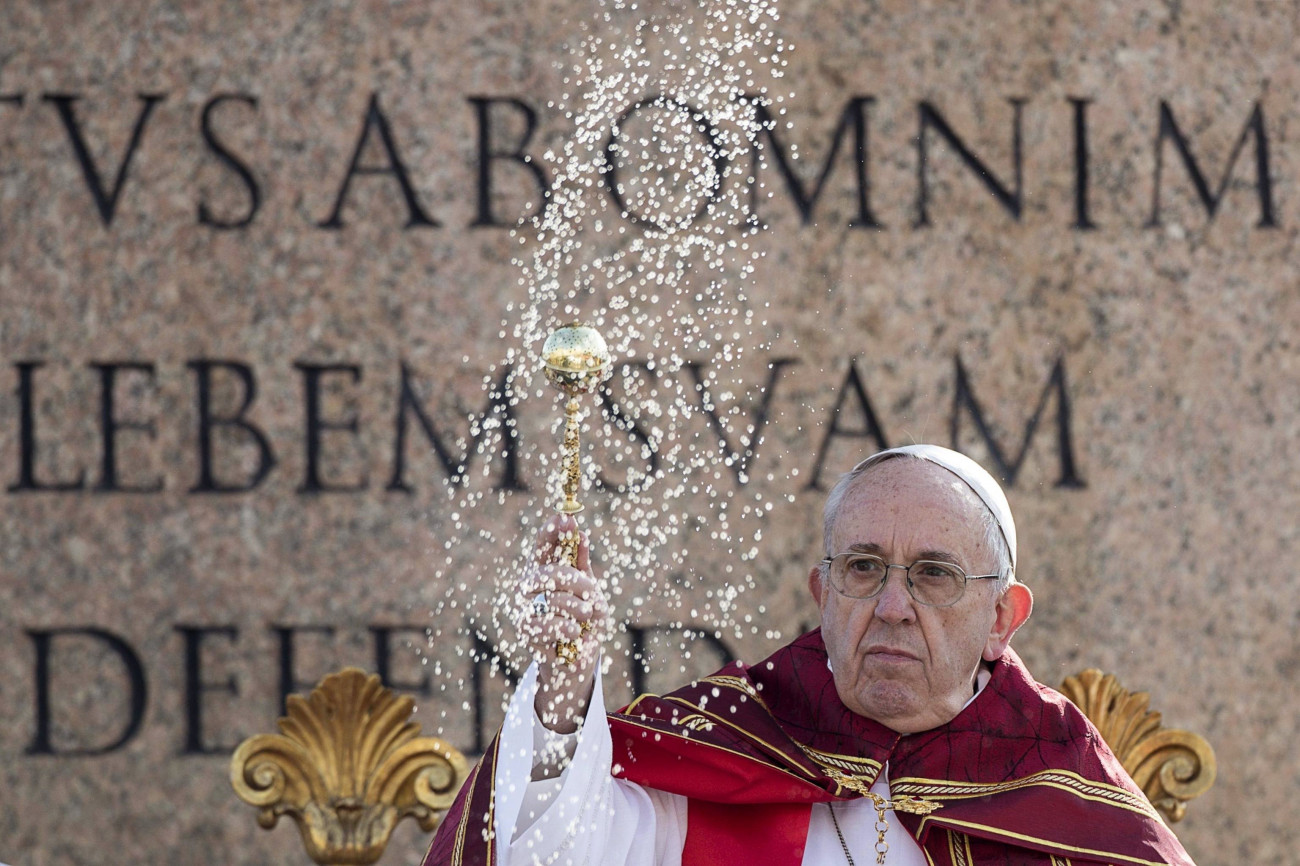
903	731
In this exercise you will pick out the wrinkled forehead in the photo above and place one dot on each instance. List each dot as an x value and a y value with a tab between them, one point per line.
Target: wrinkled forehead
913	494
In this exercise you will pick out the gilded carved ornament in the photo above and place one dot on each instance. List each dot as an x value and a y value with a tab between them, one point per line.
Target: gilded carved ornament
347	766
1169	765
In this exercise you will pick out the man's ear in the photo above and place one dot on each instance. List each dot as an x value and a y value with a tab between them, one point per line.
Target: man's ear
815	586
1013	609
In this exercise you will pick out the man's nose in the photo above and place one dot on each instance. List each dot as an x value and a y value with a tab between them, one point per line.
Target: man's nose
895	603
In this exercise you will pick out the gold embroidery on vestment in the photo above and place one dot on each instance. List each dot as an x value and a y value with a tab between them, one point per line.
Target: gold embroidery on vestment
458	846
1060	779
661	733
991	832
695	722
847	763
739	683
959	849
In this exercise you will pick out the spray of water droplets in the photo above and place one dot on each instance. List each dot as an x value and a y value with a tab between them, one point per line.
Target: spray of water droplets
648	235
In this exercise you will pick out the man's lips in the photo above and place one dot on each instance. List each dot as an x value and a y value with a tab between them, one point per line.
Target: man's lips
891	653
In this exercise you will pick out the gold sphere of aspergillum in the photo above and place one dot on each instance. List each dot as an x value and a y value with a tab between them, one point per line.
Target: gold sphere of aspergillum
576	358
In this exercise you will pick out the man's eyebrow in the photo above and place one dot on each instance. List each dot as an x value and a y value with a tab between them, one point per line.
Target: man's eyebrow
939	556
932	555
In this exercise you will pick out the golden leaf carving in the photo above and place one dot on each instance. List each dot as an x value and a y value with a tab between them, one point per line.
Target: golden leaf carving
348	764
1169	765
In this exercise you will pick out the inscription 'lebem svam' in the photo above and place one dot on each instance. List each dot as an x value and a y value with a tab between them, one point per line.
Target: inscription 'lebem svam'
234	430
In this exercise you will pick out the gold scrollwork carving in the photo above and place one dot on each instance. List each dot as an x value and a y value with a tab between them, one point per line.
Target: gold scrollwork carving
1169	765
348	765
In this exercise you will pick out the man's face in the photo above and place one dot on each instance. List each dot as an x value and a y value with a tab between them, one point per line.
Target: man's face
901	663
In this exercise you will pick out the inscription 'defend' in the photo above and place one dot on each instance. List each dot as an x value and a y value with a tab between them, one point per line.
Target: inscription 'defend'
225	114
234	452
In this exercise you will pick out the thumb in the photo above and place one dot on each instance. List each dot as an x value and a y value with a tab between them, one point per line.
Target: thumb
584	551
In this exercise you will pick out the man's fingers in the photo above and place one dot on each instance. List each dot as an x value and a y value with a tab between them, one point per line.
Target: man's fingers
559	578
571	607
562	627
563	604
557	535
546	606
564	609
548	537
584	551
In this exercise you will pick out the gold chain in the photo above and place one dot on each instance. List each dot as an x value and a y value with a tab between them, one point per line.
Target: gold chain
882	826
911	805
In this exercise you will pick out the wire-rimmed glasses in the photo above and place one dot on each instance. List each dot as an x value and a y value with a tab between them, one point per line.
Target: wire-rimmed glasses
929	582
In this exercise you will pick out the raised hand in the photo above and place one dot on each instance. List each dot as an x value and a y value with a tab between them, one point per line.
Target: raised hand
565	618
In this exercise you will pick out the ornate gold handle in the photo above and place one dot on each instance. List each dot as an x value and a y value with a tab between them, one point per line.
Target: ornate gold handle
572	479
577	361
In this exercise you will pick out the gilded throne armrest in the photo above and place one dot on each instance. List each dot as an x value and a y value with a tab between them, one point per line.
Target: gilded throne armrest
347	766
1171	766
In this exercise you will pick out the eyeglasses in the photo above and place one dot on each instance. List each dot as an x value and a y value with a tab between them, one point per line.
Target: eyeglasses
936	584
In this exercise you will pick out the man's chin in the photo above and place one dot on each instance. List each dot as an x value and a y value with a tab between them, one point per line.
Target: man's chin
888	702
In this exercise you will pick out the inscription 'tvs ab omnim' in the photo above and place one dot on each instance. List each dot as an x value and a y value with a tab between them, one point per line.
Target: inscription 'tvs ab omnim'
506	174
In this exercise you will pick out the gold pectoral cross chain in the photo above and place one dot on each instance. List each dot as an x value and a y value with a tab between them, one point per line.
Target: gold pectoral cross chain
910	805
